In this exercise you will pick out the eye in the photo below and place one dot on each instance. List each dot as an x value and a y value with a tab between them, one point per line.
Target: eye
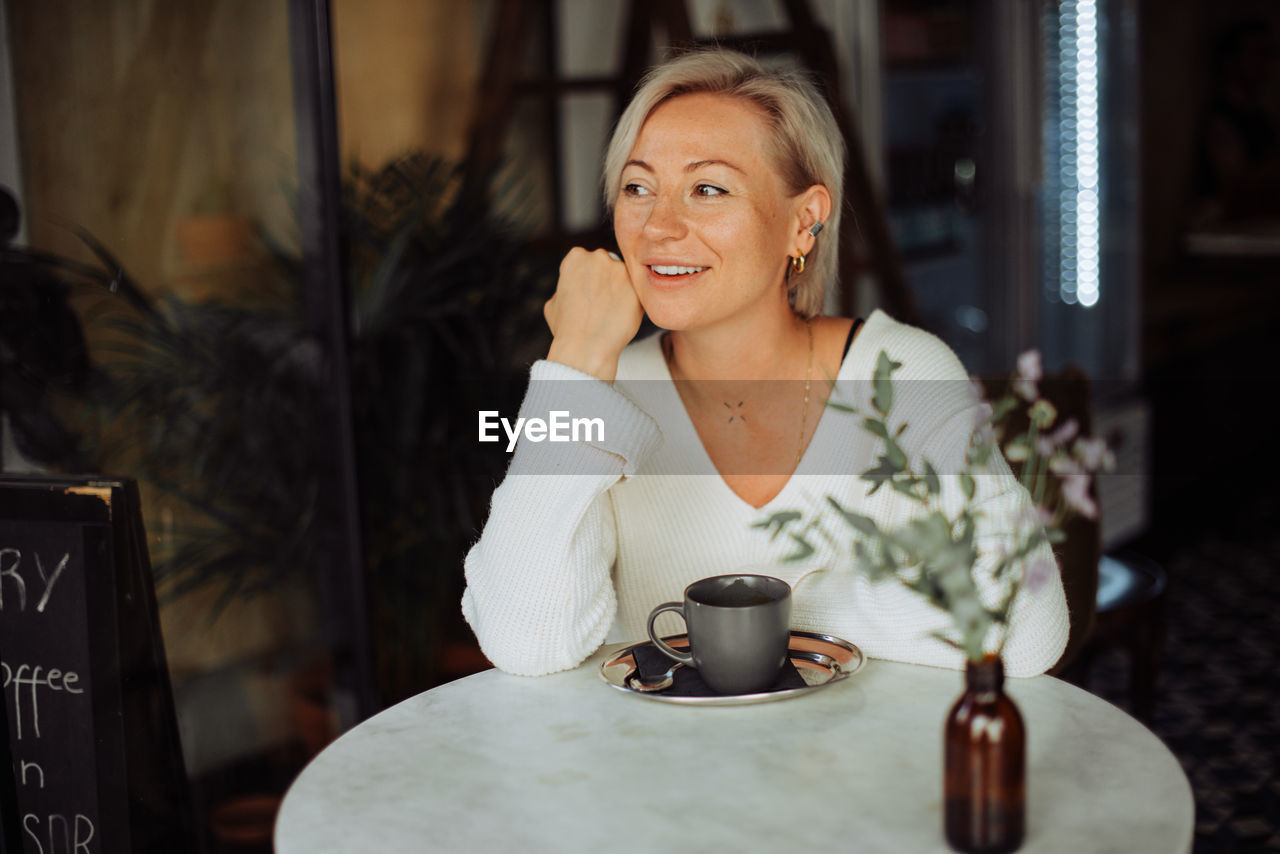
634	190
709	190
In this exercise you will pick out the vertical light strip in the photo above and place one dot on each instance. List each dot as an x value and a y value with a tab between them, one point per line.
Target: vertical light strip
1087	203
1079	167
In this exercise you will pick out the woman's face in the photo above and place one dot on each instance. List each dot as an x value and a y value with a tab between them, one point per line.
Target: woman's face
703	218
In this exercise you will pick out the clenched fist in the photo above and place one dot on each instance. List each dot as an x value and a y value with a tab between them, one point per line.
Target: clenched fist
593	314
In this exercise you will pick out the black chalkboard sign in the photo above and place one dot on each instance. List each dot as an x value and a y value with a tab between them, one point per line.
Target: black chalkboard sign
93	740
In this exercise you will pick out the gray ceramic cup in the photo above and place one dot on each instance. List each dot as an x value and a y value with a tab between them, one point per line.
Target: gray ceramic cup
739	629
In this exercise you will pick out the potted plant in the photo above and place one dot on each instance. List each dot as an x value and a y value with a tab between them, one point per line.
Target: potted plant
936	555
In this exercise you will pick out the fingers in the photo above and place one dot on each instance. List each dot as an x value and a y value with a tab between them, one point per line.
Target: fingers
549	313
594	312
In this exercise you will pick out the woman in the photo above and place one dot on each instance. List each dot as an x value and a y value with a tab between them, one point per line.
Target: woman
724	180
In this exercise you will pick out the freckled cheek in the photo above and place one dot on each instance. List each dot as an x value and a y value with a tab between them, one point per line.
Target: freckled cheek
627	226
749	241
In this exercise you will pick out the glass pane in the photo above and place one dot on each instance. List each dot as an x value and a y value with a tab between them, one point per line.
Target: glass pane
934	123
1088	302
447	297
164	134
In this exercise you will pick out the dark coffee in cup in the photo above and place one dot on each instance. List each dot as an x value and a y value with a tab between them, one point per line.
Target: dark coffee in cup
739	629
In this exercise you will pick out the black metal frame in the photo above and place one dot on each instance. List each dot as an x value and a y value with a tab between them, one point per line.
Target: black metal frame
319	206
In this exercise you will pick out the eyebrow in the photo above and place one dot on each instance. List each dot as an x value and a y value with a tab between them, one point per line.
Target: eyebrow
692	167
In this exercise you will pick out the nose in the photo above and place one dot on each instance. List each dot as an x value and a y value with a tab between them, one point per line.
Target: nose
666	219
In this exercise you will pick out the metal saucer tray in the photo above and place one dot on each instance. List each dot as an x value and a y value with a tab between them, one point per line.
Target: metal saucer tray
820	660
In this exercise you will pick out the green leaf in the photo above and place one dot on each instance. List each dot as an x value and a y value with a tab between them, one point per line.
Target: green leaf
803	551
882	383
931	481
968	529
931	534
909	487
895	455
876	426
981	455
778	520
841	407
857	521
968	485
878	474
1003	407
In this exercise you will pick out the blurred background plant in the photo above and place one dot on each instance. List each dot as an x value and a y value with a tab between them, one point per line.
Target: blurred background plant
219	404
42	349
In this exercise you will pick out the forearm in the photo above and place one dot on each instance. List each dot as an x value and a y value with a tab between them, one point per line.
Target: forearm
539	592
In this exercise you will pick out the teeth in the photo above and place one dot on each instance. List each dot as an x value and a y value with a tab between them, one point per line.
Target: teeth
663	270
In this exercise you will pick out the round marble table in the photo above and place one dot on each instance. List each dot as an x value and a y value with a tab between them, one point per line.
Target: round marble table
567	763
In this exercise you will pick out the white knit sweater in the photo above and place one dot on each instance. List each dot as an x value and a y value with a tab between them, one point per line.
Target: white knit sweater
585	538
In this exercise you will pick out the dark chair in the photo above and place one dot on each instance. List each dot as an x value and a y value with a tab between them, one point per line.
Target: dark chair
1070	393
1131	616
1114	600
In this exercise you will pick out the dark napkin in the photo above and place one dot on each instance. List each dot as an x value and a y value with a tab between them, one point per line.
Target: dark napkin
651	664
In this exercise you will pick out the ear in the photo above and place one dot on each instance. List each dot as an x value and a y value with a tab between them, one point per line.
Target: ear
812	205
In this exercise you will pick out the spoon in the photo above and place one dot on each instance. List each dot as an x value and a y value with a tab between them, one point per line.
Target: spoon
660	683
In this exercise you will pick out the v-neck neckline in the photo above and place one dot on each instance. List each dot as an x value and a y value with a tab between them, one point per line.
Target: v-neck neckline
705	461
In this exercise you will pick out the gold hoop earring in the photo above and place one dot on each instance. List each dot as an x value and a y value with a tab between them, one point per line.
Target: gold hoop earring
797	264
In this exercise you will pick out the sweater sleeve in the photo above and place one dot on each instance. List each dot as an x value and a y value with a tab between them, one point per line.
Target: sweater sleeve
540	595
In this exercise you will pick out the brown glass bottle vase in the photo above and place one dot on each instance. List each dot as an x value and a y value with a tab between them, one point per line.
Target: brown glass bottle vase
984	778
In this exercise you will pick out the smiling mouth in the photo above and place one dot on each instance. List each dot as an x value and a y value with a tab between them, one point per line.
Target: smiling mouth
673	271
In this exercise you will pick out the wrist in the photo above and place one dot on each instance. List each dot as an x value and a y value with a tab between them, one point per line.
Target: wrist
602	367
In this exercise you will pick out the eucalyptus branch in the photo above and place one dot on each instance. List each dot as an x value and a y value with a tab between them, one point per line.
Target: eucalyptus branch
935	554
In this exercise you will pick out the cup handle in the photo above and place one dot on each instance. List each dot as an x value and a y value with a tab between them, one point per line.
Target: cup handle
682	657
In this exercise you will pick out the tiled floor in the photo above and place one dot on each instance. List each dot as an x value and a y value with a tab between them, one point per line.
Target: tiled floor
1218	706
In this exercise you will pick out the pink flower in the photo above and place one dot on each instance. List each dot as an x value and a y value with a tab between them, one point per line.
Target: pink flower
1029	367
1065	466
1065	432
1075	491
1025	389
982	419
1093	454
977	391
1038	572
1046	444
1028	374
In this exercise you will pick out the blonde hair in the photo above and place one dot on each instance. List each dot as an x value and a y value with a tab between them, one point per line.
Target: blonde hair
808	147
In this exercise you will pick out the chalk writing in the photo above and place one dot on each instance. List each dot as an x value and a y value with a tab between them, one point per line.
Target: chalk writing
83	683
10	566
26	676
45	686
27	766
59	830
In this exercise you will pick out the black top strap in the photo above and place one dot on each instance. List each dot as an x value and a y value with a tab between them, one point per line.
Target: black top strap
848	342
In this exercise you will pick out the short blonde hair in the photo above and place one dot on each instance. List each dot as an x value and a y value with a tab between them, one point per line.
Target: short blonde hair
808	147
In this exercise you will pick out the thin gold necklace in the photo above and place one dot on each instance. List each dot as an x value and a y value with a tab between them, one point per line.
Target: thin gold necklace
808	374
668	354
